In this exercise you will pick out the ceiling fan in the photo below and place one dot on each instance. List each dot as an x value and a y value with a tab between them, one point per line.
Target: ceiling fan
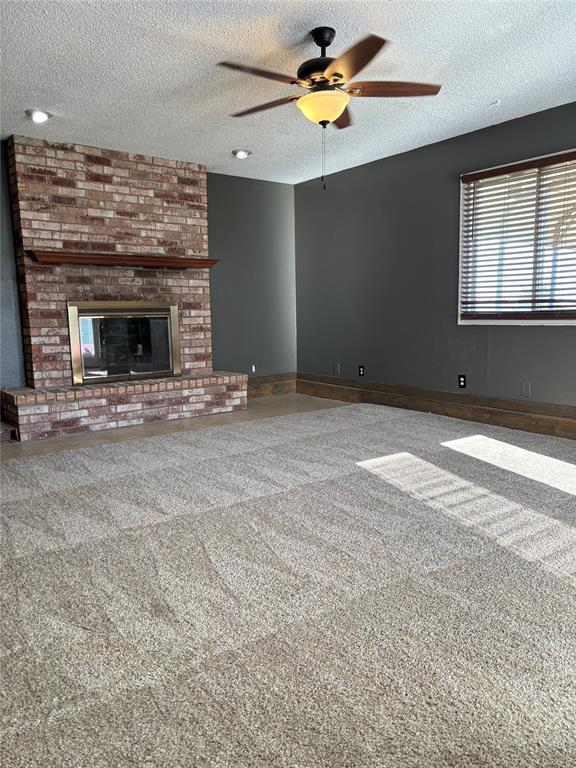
327	81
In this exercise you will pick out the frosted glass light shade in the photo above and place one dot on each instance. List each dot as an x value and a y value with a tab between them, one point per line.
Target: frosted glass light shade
323	105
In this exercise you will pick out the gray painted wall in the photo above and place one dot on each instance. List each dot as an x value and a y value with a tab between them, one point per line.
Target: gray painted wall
11	360
377	272
251	228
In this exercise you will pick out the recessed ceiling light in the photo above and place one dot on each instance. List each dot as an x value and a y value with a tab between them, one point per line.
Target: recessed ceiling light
241	154
38	115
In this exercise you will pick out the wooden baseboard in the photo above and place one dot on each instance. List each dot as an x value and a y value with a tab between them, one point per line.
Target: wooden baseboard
544	418
275	384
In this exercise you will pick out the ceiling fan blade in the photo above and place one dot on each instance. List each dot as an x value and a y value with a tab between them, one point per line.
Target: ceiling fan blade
263	73
383	88
344	120
354	59
268	105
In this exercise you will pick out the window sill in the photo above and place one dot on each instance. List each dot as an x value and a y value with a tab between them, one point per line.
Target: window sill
517	321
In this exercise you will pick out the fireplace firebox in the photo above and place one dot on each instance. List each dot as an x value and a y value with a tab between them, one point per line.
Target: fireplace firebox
114	340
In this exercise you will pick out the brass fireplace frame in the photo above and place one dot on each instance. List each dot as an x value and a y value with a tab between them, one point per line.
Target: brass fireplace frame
76	309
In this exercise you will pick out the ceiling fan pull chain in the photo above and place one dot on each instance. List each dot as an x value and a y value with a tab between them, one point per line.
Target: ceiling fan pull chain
324	157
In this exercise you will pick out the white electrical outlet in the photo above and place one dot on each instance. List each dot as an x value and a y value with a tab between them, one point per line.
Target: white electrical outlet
526	389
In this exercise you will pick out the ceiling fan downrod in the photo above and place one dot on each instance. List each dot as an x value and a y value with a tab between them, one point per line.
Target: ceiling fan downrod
323	37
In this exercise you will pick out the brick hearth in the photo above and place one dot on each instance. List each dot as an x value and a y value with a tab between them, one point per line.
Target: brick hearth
53	412
72	198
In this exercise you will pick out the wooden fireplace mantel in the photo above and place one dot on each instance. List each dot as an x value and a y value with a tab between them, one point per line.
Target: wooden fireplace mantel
106	259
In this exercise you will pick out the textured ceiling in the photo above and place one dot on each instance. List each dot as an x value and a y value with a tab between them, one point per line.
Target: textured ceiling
142	76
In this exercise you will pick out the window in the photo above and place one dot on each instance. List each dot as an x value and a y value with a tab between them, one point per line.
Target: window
518	243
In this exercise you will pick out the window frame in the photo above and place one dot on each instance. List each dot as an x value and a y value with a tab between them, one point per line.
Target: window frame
536	162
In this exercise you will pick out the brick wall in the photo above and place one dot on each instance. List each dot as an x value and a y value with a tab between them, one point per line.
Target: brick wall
73	197
46	289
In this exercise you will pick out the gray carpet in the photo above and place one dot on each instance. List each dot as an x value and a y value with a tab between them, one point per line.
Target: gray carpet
250	596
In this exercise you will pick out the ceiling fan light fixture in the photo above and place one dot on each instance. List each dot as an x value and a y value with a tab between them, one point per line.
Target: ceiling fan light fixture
323	106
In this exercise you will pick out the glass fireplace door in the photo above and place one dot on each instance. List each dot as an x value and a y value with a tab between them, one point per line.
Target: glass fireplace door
123	340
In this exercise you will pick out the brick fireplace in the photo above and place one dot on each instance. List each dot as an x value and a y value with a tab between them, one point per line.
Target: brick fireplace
101	227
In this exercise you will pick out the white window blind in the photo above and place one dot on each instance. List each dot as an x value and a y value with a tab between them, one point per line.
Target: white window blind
518	242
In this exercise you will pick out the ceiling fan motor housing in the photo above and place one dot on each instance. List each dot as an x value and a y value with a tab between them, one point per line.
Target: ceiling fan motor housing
313	68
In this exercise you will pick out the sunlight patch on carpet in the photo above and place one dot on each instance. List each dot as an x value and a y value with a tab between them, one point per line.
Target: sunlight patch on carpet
529	534
554	472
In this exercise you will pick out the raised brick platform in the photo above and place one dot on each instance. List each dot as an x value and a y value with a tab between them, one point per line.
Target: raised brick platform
58	411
